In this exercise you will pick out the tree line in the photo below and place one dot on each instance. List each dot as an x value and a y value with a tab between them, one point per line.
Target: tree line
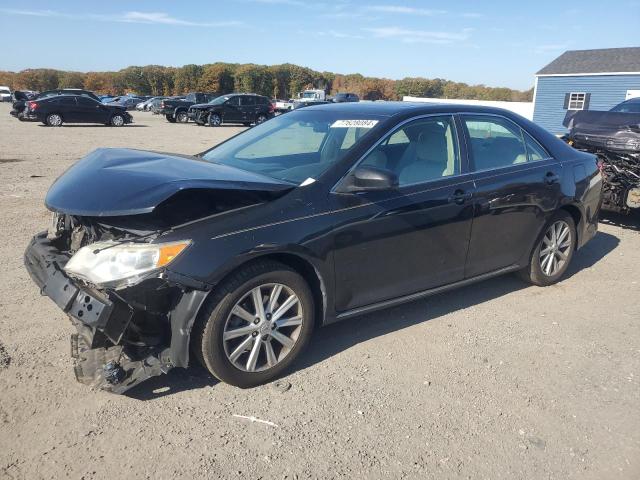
278	81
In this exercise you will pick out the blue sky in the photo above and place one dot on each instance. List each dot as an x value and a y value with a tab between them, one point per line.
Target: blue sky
498	43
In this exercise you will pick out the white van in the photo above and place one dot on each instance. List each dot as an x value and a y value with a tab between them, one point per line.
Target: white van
5	94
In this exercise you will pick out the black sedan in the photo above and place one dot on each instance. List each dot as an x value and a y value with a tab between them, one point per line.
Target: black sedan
56	110
332	211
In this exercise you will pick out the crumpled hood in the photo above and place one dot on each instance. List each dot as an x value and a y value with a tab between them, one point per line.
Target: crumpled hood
118	181
596	121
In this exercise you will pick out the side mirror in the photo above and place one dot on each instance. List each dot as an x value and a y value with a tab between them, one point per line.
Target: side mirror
365	179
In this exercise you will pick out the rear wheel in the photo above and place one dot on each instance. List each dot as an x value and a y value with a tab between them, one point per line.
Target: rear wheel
261	118
255	325
215	120
54	120
170	118
182	117
553	252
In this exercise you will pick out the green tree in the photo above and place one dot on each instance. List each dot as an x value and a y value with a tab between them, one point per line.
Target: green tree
186	78
254	78
71	80
217	78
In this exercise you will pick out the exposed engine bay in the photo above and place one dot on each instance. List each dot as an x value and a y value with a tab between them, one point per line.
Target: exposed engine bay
615	138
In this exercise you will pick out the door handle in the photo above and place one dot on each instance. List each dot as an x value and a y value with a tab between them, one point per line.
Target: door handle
550	178
459	197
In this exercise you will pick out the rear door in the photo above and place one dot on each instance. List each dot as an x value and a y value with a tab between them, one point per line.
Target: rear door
517	188
248	107
68	107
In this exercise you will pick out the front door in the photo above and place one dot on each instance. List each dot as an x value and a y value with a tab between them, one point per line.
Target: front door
232	112
517	188
90	111
394	243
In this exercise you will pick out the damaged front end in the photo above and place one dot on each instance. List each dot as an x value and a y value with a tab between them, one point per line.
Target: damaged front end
615	138
125	333
104	260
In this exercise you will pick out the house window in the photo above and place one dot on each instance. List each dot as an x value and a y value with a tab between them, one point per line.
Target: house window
576	101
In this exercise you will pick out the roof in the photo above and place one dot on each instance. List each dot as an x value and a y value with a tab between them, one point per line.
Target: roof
605	60
390	109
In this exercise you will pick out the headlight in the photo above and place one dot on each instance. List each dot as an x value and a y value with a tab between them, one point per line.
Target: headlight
110	264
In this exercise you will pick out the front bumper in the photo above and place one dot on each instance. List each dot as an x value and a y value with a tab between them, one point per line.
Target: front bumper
105	357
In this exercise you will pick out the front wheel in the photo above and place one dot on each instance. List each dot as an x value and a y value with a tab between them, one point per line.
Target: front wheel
255	325
54	120
117	120
215	120
553	252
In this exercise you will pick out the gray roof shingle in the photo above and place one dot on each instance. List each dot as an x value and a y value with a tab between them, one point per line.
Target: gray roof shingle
605	60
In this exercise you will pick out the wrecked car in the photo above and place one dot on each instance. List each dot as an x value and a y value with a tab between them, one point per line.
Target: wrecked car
233	256
614	136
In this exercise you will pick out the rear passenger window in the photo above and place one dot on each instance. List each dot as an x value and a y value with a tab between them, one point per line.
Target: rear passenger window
248	101
495	142
66	100
535	152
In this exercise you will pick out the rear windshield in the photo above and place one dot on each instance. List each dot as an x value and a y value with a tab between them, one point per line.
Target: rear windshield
296	146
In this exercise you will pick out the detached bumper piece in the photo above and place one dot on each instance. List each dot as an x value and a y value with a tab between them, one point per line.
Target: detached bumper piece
111	351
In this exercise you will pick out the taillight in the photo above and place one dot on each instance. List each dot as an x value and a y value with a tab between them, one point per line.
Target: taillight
161	104
271	108
33	105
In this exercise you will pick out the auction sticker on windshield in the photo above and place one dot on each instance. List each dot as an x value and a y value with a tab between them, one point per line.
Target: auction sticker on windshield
354	124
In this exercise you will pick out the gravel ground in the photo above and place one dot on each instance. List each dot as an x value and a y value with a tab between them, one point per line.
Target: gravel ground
497	380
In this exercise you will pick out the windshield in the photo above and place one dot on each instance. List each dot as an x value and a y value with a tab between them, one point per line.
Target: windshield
295	147
309	95
627	107
219	100
3	90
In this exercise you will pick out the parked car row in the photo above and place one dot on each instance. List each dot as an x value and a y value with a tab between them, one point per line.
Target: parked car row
200	107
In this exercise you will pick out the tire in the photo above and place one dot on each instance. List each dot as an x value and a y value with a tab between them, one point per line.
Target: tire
182	116
215	120
247	124
170	118
54	120
117	120
545	269
261	119
219	354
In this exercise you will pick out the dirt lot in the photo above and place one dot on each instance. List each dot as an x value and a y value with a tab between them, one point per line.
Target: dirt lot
498	380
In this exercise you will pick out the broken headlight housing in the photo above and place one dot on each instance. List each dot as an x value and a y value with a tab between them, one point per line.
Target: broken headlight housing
112	264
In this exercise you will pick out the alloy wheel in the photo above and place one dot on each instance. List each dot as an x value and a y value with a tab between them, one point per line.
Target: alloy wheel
117	121
261	119
263	327
215	120
55	120
555	248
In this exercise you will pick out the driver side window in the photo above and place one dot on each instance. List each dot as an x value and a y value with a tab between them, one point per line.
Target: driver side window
420	151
